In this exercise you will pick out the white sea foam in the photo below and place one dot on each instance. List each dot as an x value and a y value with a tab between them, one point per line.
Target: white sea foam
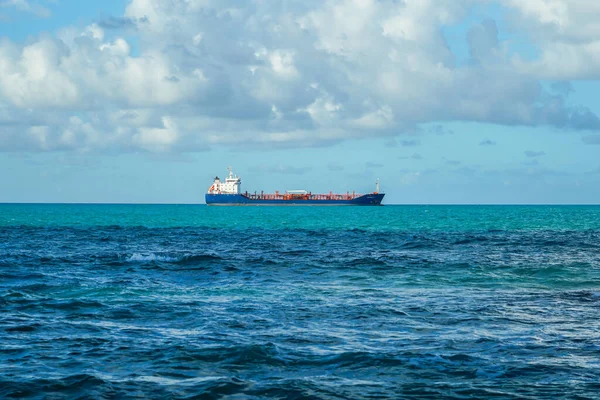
151	257
157	379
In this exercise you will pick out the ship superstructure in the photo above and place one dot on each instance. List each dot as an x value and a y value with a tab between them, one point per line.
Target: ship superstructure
230	186
229	193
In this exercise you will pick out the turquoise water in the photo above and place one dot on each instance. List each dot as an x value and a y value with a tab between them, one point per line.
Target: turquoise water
189	301
411	218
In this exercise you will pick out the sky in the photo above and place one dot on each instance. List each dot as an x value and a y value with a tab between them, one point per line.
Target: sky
444	101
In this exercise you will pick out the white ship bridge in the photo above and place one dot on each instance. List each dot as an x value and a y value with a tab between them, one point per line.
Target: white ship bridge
230	186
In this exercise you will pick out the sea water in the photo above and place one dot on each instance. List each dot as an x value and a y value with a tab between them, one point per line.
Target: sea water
189	301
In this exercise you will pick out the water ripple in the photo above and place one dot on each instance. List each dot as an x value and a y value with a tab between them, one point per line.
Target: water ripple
185	312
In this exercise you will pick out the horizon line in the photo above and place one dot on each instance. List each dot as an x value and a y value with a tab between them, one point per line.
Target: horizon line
390	204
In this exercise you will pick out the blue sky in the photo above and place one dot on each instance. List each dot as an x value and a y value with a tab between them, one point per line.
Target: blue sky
467	101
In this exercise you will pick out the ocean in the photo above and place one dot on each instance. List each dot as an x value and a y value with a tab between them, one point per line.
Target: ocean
189	301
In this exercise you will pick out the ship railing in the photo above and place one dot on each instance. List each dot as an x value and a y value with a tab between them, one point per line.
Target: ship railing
349	196
308	196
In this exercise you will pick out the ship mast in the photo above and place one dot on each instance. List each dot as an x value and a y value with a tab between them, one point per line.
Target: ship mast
377	186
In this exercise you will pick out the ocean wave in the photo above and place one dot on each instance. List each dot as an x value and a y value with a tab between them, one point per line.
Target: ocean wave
23	328
367	262
187	259
75	386
140	257
242	355
198	258
125	312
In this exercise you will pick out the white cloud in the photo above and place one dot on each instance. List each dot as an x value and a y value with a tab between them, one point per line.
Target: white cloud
157	139
208	72
31	76
94	31
282	62
379	119
567	34
324	111
28	7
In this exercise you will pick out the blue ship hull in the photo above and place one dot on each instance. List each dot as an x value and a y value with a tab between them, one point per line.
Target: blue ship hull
241	200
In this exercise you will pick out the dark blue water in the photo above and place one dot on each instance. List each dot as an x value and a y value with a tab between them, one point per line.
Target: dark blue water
390	302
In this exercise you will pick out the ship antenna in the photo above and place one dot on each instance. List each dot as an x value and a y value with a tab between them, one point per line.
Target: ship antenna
377	186
230	171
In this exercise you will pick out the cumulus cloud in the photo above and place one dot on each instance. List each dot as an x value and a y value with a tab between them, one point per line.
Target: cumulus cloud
483	40
567	35
28	7
226	73
487	142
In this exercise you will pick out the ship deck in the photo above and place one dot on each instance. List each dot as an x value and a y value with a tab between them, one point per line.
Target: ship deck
293	196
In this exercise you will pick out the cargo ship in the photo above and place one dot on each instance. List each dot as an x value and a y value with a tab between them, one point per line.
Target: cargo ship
229	193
